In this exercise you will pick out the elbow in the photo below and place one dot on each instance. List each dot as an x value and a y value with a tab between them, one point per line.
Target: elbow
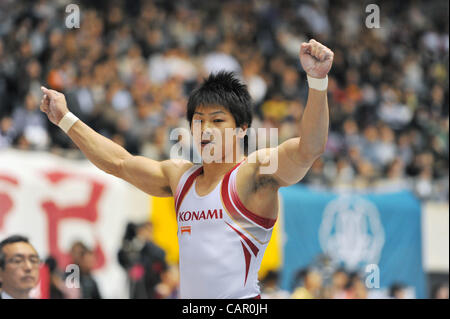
310	156
320	149
114	169
311	151
315	153
319	152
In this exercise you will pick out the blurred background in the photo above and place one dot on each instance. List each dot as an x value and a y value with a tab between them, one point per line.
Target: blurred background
370	219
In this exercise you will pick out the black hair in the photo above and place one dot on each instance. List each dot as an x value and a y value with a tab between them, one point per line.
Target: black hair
78	243
395	288
299	277
130	231
353	277
436	288
10	240
271	275
52	264
224	89
340	270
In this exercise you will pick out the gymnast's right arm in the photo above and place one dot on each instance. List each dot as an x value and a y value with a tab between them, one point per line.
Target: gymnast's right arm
153	177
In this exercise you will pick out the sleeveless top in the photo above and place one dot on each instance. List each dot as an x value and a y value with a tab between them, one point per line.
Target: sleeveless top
221	242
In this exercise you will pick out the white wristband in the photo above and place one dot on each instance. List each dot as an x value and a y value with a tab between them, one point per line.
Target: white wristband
318	84
67	121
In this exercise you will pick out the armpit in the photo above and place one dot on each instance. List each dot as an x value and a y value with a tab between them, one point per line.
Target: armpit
264	181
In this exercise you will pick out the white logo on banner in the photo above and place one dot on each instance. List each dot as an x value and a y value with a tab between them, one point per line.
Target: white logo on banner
351	231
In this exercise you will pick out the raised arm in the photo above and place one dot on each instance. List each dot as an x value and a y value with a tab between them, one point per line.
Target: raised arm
296	155
153	177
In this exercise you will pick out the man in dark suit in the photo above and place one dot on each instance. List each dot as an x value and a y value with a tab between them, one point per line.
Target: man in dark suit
19	267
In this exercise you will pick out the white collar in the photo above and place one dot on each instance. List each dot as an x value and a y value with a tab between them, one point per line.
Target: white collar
6	296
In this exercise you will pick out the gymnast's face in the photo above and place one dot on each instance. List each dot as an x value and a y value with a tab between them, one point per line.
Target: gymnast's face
214	132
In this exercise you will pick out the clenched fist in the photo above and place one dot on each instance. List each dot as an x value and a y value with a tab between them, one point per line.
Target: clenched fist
316	59
53	103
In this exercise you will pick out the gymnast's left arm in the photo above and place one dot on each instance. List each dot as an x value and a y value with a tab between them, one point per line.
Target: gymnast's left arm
296	155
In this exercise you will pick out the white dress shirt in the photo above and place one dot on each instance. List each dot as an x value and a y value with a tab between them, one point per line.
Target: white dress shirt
6	296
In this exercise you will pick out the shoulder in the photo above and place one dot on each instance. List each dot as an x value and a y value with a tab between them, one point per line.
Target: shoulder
279	165
176	165
259	167
174	170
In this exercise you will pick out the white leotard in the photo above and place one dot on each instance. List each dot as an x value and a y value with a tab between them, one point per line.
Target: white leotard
221	243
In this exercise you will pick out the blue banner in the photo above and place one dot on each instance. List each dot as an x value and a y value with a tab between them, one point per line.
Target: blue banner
354	230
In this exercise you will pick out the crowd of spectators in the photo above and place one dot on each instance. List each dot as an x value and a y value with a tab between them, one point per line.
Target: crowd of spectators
312	283
148	274
129	68
128	71
324	279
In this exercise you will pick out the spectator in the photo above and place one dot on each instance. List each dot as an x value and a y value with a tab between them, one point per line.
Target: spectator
440	291
88	285
85	259
356	289
144	262
309	285
271	287
6	132
338	284
56	279
76	252
29	122
397	291
58	286
19	267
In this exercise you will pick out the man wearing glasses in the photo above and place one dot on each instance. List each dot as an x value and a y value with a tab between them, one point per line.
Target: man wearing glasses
19	267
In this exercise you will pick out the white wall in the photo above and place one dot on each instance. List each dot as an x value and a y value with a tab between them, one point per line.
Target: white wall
435	225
